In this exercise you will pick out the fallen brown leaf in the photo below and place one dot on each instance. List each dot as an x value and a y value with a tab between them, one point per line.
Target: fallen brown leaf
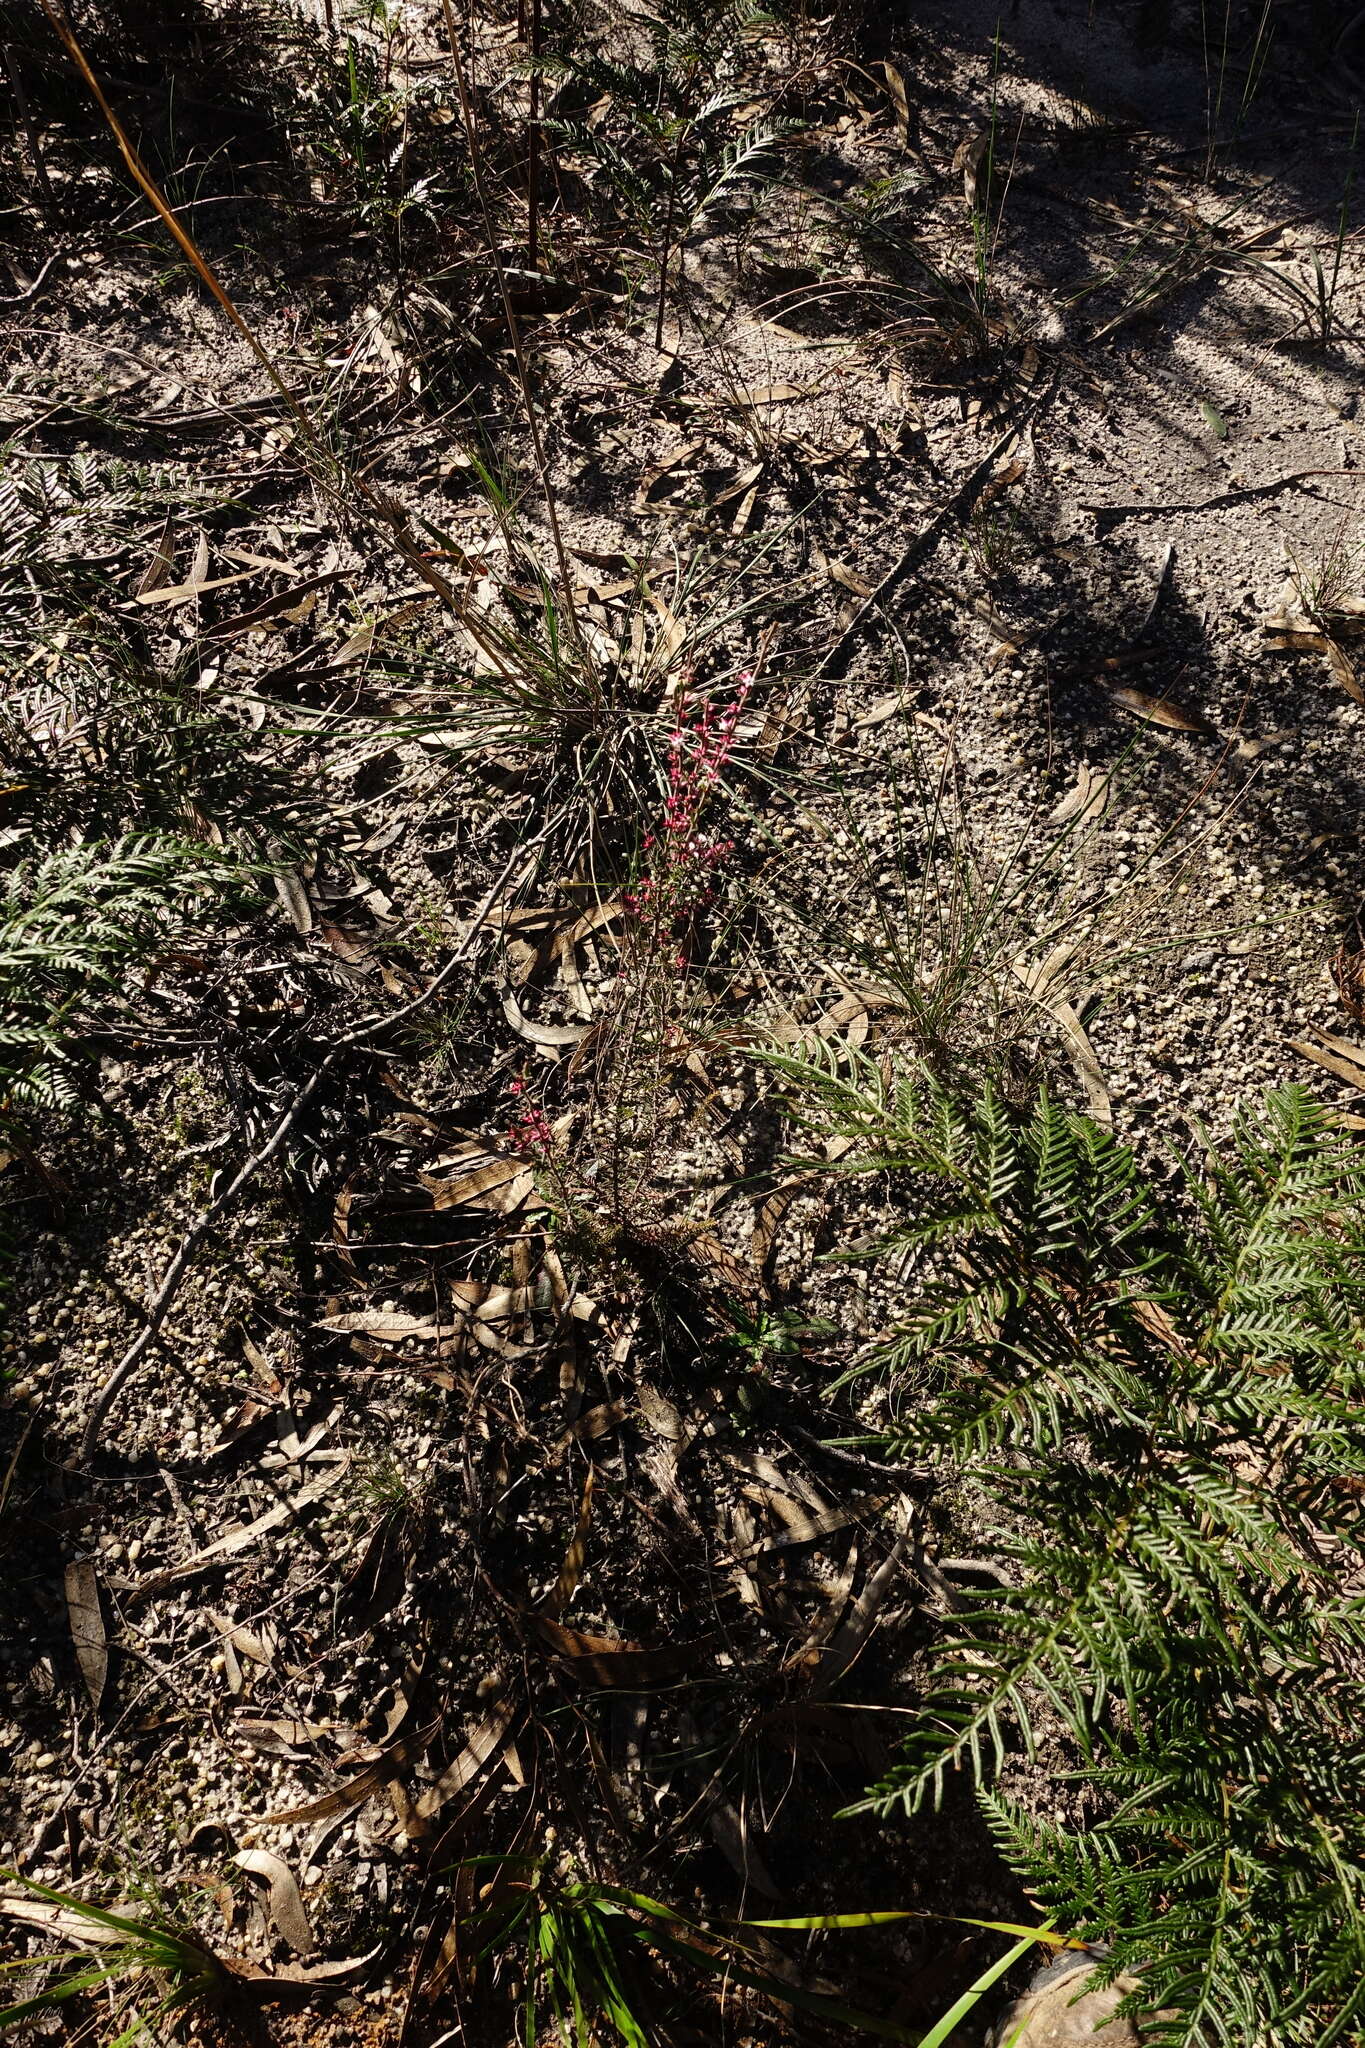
285	1903
485	1741
1161	711
616	1664
243	1538
87	1627
895	85
1340	1056
840	573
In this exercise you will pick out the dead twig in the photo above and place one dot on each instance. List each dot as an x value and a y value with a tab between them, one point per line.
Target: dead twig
1109	515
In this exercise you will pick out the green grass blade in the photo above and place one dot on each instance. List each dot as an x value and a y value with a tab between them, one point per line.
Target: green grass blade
975	1992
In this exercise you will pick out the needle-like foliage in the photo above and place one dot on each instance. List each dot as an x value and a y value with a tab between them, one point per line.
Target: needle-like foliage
143	1954
1159	1390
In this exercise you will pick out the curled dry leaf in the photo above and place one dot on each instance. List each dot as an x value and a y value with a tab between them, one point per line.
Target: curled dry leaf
1086	801
483	1178
1347	968
285	1903
539	1034
341	1223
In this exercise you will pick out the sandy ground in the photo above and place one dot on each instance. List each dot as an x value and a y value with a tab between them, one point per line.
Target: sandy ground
1037	582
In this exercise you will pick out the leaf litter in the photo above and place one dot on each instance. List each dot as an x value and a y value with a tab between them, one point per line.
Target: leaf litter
563	1559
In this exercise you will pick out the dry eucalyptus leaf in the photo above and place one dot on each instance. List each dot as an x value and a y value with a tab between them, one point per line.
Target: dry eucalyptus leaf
972	160
353	1793
294	896
87	1627
1040	979
57	1920
284	1738
770	1215
878	713
386	1326
485	1740
847	1642
327	1973
1343	671
1086	801
180	593
616	1664
839	572
285	1903
539	1034
895	85
284	604
1160	711
489	1181
245	1537
157	573
731	1835
571	1570
775	394
1340	1056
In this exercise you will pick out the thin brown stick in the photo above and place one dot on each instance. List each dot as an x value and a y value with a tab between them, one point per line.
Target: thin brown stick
533	146
514	333
666	249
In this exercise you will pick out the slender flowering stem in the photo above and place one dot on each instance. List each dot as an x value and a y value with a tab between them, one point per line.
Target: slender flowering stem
679	881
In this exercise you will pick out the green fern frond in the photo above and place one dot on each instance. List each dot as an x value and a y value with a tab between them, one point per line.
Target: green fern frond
1161	1392
69	924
